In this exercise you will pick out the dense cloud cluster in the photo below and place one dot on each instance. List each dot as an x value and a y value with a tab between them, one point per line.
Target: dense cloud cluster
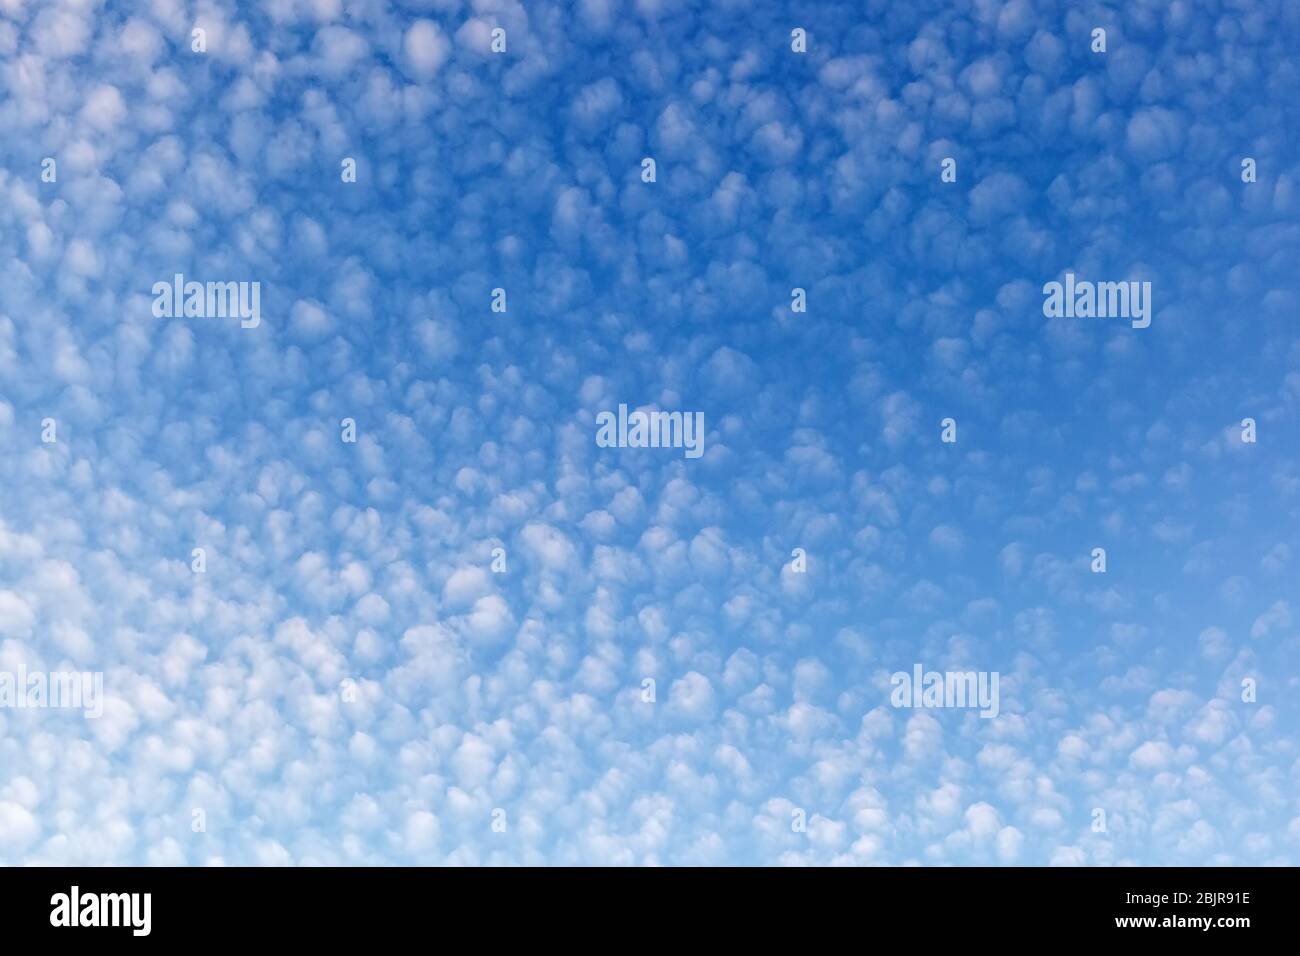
351	681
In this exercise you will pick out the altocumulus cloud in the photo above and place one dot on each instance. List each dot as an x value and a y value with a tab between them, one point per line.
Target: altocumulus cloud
462	610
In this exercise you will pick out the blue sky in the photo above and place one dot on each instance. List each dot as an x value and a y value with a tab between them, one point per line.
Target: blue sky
350	682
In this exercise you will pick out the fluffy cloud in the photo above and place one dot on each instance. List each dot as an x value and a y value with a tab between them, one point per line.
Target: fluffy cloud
355	652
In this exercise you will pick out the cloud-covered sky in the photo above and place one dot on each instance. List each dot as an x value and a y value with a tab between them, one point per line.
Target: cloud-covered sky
349	681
